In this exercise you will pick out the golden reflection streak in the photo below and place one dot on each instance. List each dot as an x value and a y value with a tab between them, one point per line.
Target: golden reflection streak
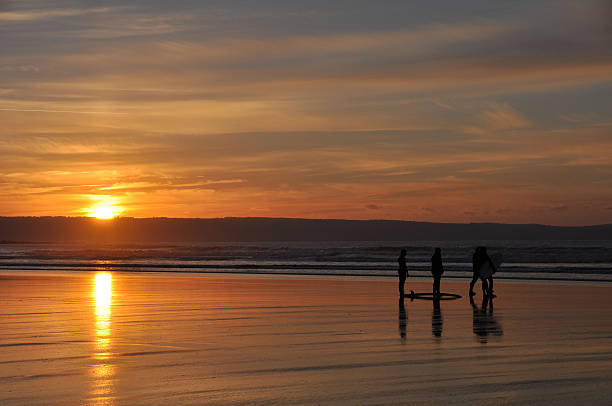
103	371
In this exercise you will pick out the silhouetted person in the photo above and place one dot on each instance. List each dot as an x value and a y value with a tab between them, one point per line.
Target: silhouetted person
479	260
484	322
402	272
436	270
436	318
402	321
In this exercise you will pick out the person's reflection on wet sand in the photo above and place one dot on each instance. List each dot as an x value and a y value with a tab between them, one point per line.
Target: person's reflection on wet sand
484	322
436	319
402	321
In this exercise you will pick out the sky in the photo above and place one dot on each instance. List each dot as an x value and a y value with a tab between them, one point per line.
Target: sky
445	111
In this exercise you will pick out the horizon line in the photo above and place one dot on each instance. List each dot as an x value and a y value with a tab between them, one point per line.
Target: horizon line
304	218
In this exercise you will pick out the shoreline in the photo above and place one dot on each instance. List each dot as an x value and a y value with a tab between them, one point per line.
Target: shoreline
310	275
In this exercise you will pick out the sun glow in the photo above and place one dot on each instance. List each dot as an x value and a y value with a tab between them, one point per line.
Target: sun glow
104	212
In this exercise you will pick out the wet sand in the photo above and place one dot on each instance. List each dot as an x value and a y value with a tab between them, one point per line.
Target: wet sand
102	339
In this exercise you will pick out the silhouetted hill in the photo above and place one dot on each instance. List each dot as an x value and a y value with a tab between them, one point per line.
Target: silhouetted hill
148	230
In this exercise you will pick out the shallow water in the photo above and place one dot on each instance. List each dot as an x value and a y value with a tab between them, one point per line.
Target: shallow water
551	260
117	339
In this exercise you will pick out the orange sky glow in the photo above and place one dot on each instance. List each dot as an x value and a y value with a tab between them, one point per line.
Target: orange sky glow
477	113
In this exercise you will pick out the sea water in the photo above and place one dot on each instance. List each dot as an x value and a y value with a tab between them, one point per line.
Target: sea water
564	260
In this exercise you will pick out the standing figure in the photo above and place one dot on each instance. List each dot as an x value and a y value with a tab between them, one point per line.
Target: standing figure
436	270
402	272
475	264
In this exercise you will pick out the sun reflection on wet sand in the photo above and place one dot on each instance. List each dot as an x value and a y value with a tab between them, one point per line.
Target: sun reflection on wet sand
102	371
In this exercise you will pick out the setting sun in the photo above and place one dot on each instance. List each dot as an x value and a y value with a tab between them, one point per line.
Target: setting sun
104	212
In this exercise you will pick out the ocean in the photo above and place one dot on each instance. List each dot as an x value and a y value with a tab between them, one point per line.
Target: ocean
539	260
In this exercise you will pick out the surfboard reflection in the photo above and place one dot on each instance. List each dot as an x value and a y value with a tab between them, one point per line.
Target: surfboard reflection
485	324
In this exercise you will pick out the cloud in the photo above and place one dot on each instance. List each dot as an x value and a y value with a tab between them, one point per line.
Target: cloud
44	14
475	56
19	68
559	207
504	116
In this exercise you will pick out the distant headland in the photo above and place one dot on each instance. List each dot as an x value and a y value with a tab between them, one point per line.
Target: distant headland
246	229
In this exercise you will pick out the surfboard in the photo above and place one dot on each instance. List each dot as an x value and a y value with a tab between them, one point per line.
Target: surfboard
486	270
429	296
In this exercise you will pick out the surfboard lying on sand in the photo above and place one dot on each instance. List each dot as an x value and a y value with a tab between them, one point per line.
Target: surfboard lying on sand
429	296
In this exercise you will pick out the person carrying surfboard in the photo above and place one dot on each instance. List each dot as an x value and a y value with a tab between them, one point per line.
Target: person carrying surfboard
437	270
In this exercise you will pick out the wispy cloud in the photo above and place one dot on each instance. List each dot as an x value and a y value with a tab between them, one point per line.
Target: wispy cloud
45	14
58	111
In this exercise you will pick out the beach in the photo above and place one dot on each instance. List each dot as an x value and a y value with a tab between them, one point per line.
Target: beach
109	338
